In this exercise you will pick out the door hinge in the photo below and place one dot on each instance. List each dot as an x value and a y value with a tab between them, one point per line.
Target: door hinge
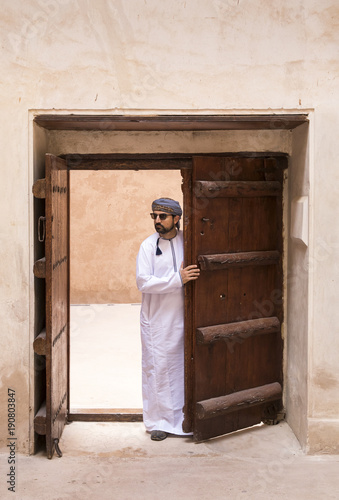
272	416
57	448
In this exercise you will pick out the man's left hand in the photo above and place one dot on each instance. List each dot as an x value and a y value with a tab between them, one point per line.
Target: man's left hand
189	273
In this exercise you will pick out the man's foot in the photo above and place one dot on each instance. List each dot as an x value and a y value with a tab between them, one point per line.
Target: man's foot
158	435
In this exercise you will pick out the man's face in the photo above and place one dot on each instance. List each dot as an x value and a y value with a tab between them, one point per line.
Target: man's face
166	225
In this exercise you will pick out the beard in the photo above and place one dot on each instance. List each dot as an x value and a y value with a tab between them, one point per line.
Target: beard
163	230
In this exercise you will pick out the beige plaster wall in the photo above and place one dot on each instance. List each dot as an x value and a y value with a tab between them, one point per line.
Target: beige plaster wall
297	285
109	219
197	56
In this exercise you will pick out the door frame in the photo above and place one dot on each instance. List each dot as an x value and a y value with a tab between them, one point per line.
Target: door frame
168	161
163	123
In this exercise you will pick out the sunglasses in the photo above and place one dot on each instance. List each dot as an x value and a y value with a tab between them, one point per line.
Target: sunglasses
161	216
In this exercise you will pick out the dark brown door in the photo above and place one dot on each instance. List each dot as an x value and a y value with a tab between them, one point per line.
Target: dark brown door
57	299
236	353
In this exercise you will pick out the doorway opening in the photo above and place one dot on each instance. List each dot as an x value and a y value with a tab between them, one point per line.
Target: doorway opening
59	134
109	218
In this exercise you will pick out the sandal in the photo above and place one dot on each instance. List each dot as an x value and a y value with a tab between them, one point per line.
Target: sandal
158	435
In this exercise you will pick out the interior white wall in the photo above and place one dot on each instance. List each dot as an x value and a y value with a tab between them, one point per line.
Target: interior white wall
297	287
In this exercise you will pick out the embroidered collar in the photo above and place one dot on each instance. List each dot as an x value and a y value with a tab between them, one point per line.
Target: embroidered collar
158	251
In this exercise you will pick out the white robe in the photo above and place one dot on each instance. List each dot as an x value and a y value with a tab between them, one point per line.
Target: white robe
162	333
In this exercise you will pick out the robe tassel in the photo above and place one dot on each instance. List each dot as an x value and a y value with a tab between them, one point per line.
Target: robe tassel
158	252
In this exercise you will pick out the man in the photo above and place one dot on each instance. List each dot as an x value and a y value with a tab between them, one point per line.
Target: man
160	278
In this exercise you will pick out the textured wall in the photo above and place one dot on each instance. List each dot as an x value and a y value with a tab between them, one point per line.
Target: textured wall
150	57
109	220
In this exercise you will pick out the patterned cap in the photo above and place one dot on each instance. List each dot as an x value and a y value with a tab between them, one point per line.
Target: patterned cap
167	205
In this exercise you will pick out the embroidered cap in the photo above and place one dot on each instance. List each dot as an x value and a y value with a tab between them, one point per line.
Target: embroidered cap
167	205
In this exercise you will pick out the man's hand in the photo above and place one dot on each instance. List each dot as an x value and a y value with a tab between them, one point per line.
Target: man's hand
189	273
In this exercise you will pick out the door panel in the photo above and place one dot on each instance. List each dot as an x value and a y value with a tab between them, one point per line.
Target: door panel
237	240
233	232
57	299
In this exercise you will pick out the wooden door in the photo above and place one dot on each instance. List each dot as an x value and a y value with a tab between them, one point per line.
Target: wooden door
53	342
236	354
57	298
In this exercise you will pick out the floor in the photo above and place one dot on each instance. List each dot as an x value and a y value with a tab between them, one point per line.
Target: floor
118	461
105	354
